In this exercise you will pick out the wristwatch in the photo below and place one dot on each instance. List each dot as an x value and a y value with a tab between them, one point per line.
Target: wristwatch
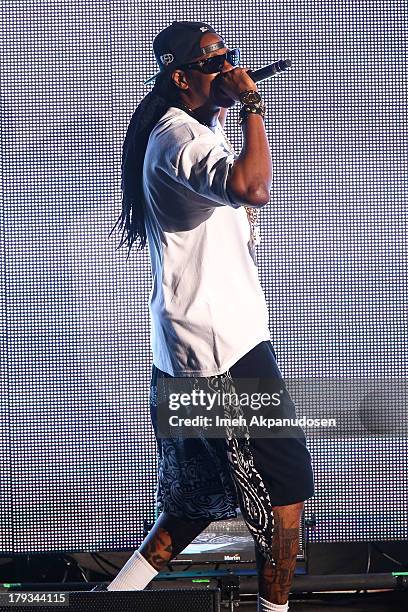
249	97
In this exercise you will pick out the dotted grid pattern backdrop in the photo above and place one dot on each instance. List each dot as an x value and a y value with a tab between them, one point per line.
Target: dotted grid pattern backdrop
77	448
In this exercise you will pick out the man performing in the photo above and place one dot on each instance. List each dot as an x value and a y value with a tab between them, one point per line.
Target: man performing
195	202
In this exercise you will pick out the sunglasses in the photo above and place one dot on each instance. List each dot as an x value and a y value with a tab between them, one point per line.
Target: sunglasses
216	63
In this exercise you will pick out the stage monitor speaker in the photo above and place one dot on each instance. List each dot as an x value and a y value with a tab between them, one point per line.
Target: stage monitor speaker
165	600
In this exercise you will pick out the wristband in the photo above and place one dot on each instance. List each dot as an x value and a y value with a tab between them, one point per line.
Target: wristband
251	109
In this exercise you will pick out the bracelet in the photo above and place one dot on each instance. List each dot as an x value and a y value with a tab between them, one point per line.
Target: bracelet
251	109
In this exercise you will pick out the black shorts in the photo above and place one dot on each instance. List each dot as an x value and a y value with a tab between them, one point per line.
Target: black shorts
194	474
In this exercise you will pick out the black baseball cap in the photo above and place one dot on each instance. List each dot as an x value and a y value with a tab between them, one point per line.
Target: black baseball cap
179	44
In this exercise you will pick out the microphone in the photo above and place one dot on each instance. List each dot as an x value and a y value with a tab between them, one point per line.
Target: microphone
268	71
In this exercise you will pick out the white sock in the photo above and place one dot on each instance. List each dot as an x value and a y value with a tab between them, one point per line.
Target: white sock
267	606
135	575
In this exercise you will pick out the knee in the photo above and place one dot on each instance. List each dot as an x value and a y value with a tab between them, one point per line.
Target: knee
296	508
288	515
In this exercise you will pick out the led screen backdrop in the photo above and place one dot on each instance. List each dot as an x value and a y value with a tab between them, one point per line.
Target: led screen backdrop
77	450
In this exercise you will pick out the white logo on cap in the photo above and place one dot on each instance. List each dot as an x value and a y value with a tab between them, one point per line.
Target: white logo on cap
204	29
167	58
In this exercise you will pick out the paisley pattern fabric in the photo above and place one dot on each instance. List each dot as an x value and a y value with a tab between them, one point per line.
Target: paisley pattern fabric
253	496
209	477
194	479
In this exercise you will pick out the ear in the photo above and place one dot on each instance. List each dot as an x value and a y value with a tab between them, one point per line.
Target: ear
179	79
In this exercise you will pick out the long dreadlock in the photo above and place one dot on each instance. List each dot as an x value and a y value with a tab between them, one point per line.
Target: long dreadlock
152	108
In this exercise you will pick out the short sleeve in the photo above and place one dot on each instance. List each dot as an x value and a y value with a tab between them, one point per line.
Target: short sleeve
202	165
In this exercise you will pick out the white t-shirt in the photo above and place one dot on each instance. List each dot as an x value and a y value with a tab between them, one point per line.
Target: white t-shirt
206	305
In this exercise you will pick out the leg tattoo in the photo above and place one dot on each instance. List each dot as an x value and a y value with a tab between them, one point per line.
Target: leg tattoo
158	550
275	580
168	537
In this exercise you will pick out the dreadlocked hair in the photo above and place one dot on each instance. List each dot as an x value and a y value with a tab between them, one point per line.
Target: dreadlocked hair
152	108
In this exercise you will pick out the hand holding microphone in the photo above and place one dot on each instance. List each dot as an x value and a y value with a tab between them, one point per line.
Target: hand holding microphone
228	85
